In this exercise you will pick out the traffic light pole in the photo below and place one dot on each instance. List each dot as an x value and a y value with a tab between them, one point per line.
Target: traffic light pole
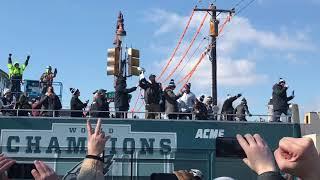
213	51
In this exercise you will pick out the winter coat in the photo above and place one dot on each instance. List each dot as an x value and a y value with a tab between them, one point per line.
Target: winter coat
8	105
241	111
187	102
171	104
200	111
279	98
77	105
121	99
152	92
91	169
50	103
227	106
23	104
101	106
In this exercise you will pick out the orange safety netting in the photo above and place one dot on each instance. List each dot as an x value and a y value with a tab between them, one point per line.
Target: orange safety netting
188	49
177	47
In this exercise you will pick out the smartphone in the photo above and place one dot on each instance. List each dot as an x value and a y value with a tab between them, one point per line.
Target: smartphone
21	171
163	176
227	147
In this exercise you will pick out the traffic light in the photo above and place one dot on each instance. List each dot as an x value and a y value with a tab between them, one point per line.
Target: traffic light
113	61
133	62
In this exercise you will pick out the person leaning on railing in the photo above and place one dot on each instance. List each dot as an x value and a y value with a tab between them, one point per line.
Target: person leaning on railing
50	104
23	107
8	102
16	74
76	104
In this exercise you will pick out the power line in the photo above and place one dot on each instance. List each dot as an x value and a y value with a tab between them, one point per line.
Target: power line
245	7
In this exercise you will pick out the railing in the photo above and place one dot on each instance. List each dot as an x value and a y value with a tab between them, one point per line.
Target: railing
33	88
137	115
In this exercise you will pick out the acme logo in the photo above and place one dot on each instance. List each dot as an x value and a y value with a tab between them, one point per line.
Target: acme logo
209	133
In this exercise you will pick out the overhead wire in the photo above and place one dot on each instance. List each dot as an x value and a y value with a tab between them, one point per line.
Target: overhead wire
188	49
177	47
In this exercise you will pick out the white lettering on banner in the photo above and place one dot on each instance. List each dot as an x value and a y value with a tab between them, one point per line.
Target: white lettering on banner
209	133
70	140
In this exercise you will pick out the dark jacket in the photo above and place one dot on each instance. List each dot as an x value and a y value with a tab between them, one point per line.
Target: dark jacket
77	105
152	91
171	104
200	110
100	108
270	176
50	103
227	106
241	111
23	104
121	99
7	106
279	98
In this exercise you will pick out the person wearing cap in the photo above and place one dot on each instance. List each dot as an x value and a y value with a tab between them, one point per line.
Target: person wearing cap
200	110
76	104
121	97
50	104
16	74
186	102
46	78
227	107
100	104
241	110
209	105
280	100
152	96
171	103
8	102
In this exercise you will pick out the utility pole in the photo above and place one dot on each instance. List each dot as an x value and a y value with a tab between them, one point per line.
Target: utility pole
214	24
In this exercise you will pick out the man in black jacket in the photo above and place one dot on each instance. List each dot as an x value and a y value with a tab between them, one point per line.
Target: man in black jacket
227	108
121	99
280	100
152	96
242	110
76	104
50	103
100	105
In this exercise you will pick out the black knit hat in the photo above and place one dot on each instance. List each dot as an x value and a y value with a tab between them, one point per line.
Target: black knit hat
171	83
74	91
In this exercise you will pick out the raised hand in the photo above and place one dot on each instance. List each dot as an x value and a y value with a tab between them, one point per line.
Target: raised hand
5	163
96	139
259	156
299	157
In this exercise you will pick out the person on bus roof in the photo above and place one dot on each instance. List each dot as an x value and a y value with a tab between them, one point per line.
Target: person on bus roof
100	105
171	103
187	102
280	99
121	99
8	102
23	105
241	110
46	78
152	95
76	104
227	107
16	74
50	103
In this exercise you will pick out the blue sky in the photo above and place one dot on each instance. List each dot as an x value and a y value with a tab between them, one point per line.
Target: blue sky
268	40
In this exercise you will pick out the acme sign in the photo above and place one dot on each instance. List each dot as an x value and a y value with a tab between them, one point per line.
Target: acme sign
209	133
70	140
